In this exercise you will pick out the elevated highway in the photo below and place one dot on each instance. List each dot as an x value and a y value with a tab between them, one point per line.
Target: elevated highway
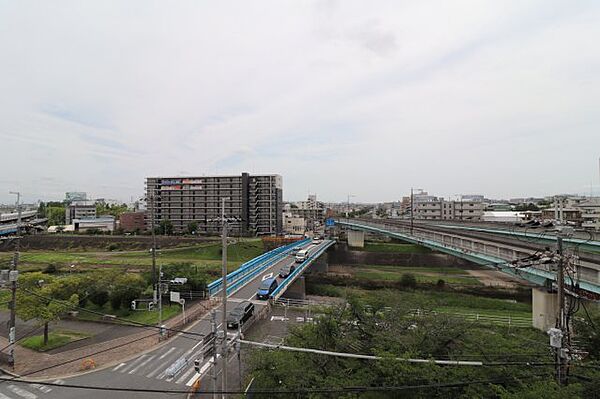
496	249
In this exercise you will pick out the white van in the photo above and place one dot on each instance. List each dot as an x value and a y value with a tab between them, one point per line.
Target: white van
301	256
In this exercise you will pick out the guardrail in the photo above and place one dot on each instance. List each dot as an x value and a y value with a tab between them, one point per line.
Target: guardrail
300	303
282	287
250	268
532	274
510	321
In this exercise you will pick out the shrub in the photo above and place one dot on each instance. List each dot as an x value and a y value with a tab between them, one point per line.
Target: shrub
99	298
112	247
50	269
408	280
440	283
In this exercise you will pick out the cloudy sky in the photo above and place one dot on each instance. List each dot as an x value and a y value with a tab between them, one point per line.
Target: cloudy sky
364	97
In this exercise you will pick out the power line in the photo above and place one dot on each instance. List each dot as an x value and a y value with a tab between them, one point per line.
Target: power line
349	389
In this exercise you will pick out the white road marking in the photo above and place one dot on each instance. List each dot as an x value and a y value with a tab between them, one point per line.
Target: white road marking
119	366
142	364
139	359
41	387
266	276
59	382
166	353
162	366
184	376
22	392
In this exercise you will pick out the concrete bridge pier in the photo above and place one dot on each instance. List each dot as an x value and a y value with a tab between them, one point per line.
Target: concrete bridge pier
544	308
356	239
297	290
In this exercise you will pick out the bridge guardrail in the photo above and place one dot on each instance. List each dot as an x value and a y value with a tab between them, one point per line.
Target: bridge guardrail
250	267
281	287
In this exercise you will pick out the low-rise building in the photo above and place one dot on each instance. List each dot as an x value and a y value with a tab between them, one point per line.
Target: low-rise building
132	221
293	224
80	210
104	223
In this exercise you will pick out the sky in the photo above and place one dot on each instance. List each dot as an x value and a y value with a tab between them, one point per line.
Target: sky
367	98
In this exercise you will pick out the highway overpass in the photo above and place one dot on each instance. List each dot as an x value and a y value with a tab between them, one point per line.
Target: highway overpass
494	248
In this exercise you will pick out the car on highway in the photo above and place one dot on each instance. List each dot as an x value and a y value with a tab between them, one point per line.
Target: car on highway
295	250
240	314
316	240
267	286
287	270
301	256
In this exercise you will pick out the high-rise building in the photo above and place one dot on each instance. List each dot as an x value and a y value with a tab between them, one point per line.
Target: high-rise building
254	206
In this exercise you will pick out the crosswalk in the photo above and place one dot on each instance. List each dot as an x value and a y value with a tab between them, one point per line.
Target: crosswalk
19	390
171	364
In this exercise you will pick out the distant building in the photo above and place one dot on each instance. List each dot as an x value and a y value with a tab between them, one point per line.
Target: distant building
428	207
293	224
104	223
71	196
311	210
254	206
132	221
590	213
80	210
503	216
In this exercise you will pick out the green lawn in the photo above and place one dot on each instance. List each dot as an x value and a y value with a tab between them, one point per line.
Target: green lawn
393	247
139	316
207	255
422	274
55	340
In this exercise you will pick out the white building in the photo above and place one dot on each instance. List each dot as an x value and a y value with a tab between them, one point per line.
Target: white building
293	224
80	210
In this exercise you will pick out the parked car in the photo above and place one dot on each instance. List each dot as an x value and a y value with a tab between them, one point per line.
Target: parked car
266	288
287	270
240	314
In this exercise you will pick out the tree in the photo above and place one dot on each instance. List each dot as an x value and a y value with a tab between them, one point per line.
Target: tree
587	327
192	227
55	215
126	288
39	298
165	227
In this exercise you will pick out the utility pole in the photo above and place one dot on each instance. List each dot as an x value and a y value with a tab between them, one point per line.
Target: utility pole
238	347
154	282
224	293
213	328
412	207
160	328
13	275
562	335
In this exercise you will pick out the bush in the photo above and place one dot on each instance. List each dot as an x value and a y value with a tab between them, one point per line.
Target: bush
440	283
99	298
51	269
408	280
112	247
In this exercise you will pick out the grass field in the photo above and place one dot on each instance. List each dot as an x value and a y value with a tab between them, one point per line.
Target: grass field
56	339
207	254
450	275
139	316
441	301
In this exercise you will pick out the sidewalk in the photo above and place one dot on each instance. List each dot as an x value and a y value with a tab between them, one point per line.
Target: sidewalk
40	365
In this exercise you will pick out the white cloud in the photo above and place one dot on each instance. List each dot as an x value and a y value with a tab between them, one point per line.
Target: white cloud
491	97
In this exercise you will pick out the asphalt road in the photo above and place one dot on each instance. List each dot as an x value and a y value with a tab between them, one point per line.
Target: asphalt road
148	370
